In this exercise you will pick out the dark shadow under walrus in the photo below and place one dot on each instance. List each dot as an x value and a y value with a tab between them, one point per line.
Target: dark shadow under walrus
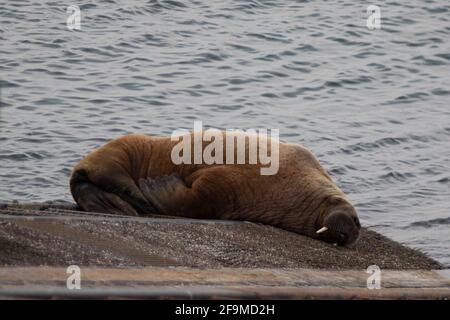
135	175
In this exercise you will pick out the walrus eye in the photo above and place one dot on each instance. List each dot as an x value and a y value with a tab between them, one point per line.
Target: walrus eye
334	201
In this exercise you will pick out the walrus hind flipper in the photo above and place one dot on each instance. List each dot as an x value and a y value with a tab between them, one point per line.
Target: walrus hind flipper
161	191
93	199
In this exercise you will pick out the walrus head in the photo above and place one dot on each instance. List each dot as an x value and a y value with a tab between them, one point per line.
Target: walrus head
340	225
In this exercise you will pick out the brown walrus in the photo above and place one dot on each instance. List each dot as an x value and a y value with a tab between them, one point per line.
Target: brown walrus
135	175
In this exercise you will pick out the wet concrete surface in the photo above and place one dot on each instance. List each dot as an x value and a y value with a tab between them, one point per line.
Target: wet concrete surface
58	235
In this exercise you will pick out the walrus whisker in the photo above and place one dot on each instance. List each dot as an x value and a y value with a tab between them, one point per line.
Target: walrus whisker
322	230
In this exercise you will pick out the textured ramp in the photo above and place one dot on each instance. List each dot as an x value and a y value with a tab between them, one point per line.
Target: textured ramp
37	235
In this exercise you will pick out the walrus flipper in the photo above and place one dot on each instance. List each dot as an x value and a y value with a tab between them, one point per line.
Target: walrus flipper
161	191
93	199
108	203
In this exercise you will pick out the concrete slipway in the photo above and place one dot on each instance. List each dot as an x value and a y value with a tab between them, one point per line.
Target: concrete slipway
162	257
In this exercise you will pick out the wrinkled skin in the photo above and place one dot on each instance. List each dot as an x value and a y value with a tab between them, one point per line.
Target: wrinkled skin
134	175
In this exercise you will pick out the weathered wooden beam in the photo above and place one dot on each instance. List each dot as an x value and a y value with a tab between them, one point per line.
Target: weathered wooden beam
238	283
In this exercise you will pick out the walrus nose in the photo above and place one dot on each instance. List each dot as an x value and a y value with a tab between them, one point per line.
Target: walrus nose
340	227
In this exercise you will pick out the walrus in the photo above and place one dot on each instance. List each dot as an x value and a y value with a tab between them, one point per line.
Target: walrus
135	175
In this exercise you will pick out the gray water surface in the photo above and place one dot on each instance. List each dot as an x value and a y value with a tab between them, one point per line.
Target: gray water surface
373	105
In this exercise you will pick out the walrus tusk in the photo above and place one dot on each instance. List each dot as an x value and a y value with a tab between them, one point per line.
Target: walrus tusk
322	230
